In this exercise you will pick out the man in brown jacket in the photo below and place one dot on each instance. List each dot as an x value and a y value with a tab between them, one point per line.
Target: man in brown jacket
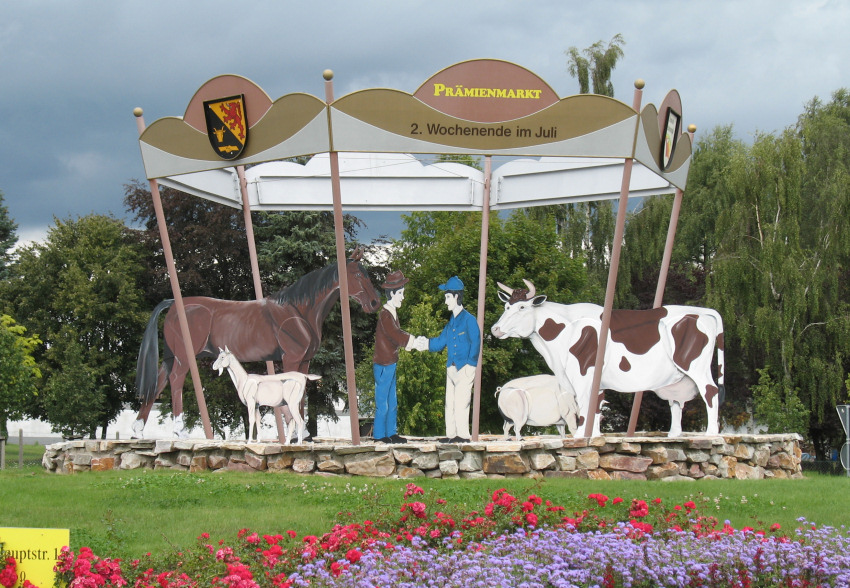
388	339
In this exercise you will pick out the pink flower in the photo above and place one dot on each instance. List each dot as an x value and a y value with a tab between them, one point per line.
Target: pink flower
418	509
412	489
617	500
531	519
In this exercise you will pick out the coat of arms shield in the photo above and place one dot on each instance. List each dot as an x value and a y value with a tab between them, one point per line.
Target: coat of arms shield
227	126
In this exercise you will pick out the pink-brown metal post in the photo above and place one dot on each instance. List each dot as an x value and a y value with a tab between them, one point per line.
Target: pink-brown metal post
662	279
175	289
619	229
255	272
482	295
341	262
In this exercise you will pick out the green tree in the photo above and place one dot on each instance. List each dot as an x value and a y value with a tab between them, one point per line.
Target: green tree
437	245
779	276
19	373
78	290
8	238
207	239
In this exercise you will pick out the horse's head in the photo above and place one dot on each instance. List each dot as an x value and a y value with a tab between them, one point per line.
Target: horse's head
223	360
360	284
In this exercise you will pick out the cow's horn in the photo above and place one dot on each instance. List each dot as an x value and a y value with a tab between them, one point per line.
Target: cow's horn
531	289
505	288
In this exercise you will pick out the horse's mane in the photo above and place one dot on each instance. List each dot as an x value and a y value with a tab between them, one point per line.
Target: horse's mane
308	286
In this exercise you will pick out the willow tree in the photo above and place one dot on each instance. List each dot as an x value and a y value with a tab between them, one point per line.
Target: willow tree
595	64
779	277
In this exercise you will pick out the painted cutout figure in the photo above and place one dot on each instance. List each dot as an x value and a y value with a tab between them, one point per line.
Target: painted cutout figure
461	338
388	339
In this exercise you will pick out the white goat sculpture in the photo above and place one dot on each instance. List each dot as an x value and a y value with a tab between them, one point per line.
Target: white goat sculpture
266	390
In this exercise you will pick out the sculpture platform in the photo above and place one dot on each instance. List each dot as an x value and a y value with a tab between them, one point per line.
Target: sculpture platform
647	457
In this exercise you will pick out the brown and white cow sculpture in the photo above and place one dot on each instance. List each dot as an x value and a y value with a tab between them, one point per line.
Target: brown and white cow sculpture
667	350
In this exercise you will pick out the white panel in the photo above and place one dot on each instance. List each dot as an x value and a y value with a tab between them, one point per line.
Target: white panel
218	185
380	181
555	181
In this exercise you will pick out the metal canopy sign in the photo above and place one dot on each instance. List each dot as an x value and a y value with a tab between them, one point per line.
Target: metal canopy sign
482	106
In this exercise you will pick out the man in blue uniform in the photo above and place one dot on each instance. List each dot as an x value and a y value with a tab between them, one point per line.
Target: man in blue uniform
461	339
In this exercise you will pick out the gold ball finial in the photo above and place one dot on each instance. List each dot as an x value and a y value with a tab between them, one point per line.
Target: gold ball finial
137	112
639	84
692	128
328	74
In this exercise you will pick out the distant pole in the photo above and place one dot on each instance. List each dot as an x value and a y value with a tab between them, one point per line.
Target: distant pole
20	448
613	268
2	452
175	289
341	265
662	279
482	295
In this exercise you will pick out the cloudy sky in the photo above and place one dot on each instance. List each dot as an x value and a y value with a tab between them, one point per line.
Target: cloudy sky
72	72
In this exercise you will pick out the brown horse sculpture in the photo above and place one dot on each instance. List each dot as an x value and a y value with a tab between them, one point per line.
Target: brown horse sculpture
285	326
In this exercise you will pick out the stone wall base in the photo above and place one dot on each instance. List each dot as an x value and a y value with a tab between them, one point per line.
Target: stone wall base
649	457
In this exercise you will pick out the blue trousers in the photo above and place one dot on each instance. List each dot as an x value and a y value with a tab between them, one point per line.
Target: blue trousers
386	402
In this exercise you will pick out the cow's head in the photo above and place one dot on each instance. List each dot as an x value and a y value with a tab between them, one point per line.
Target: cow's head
518	318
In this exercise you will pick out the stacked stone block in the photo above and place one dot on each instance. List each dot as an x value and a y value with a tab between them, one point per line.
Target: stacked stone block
749	457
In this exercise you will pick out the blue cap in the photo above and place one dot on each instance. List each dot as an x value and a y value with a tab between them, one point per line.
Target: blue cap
454	284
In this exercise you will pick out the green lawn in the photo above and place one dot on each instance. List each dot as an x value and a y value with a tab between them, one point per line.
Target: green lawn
129	513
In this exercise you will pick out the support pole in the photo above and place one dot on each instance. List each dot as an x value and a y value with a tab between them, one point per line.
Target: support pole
619	229
175	289
482	295
258	286
341	265
662	280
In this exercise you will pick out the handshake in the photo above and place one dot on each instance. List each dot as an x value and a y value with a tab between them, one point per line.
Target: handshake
419	344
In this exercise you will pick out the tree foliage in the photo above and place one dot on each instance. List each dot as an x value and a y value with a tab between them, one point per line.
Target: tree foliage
19	373
8	238
594	65
78	291
779	276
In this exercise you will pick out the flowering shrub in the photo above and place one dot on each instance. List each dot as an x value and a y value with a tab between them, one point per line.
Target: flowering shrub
9	572
510	542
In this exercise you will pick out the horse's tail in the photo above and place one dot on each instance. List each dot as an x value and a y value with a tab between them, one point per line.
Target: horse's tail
146	365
